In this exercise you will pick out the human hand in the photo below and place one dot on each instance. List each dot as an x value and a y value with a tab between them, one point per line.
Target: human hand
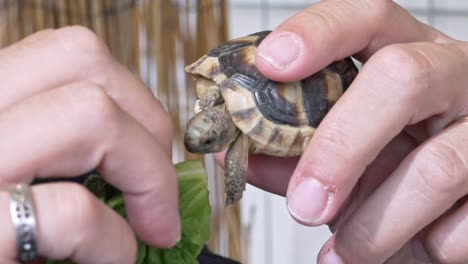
66	108
386	167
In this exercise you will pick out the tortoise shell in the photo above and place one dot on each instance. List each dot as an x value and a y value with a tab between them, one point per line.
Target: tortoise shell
279	118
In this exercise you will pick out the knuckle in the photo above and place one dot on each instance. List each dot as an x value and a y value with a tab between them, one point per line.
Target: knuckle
334	139
383	9
82	211
379	10
405	66
44	34
333	144
81	44
94	106
322	16
442	251
93	110
81	214
440	169
355	241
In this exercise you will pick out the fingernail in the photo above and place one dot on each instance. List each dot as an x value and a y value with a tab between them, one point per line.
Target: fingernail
281	50
308	200
331	258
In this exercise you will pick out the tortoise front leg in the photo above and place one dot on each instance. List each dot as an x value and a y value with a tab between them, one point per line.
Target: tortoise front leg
235	165
211	98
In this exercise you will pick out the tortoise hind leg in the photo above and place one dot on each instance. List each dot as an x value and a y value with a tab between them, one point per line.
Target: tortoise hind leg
235	165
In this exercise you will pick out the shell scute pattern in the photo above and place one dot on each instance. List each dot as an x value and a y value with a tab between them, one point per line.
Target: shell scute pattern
240	80
239	61
281	103
207	67
345	69
244	114
315	98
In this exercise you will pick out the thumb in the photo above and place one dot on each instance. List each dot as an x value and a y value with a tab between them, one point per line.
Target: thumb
332	30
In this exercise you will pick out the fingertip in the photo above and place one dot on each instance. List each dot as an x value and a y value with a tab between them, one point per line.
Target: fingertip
155	220
328	253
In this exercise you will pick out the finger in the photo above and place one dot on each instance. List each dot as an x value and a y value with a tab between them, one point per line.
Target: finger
412	252
71	223
334	29
71	130
397	87
376	173
426	184
446	240
75	54
268	173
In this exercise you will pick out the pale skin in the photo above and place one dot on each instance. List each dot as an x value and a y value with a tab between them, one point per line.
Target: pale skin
383	190
66	107
386	167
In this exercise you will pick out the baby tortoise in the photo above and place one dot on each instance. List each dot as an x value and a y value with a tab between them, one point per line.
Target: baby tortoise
241	110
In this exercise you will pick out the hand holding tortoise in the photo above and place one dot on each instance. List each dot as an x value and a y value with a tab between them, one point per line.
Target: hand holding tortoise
244	112
386	167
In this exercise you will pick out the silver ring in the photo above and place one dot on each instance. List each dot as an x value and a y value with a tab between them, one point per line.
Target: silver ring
24	220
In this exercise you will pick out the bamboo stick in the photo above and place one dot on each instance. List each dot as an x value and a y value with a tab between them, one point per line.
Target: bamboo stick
27	18
176	101
136	20
223	21
62	12
12	21
20	20
82	13
109	15
50	11
97	19
126	32
74	12
39	16
3	23
159	8
148	16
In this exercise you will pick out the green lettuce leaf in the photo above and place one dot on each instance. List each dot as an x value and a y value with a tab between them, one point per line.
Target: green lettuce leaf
195	213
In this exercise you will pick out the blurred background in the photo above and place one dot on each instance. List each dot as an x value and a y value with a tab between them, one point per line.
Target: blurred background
156	39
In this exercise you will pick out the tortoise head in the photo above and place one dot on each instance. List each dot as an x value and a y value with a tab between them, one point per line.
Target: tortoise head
210	130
